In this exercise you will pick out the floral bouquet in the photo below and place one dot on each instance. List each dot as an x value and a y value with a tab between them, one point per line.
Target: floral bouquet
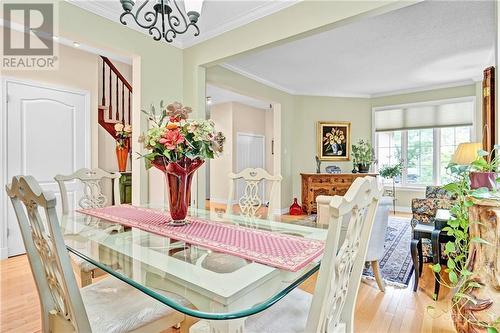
178	146
123	133
175	138
333	141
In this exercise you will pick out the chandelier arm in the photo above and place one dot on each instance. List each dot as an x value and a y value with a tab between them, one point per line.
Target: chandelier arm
182	15
173	35
147	17
155	32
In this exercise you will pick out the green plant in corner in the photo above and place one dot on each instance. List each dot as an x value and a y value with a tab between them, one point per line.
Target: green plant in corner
457	250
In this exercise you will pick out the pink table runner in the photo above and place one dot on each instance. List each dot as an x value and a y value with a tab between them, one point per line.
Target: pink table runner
273	249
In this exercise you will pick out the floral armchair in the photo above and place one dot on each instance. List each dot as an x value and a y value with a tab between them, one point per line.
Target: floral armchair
424	211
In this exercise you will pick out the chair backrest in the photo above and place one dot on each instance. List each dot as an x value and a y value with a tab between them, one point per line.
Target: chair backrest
92	191
251	202
334	299
47	254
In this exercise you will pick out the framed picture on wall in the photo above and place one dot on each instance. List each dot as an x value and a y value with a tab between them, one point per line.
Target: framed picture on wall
334	140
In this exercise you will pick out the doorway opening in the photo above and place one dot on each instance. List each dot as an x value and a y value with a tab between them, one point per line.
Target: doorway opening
248	125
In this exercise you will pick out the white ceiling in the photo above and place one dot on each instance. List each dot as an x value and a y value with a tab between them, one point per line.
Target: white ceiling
217	16
429	44
219	95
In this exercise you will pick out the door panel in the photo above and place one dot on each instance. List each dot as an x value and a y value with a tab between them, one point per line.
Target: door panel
250	154
46	135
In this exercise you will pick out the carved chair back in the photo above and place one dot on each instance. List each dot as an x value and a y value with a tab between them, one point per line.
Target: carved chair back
92	190
250	202
333	303
47	254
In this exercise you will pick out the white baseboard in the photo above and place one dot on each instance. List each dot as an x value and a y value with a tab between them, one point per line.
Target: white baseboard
403	209
4	253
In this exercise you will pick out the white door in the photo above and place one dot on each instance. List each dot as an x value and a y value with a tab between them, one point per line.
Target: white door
250	154
47	134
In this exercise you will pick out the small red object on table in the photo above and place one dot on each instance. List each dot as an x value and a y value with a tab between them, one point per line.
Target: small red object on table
295	208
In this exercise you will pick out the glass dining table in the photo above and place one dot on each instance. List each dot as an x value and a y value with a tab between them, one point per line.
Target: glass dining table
220	288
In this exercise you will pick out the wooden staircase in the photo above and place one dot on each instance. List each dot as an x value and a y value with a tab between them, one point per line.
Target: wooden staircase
116	98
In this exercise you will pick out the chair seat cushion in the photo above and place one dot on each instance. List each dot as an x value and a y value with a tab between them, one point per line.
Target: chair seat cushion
287	316
115	307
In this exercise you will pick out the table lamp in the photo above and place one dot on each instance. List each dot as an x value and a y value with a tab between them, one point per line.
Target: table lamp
466	153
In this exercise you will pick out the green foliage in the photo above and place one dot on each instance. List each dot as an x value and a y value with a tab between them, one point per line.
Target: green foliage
487	162
392	171
363	153
458	250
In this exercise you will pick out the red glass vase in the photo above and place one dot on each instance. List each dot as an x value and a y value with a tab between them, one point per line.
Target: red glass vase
295	208
179	176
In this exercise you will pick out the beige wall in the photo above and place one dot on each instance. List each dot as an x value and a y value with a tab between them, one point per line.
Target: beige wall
232	118
311	109
220	167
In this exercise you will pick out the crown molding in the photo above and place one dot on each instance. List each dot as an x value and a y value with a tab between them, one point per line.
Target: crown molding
268	8
99	9
257	78
426	88
263	10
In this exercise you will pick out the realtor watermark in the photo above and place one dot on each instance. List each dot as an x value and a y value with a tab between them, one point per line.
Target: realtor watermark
28	36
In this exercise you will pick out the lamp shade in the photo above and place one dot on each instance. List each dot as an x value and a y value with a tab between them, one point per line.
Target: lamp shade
466	153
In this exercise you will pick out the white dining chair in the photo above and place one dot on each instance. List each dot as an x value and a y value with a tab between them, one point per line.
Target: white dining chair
93	197
91	179
376	247
108	306
331	308
250	202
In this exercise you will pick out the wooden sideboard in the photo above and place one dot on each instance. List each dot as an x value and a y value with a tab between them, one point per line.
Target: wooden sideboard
314	184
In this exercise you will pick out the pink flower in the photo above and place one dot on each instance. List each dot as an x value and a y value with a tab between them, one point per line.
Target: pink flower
171	139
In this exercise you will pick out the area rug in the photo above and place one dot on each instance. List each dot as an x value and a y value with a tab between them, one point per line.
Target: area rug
396	265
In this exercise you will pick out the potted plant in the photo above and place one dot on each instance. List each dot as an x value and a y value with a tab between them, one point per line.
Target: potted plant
178	146
363	155
391	172
483	171
458	263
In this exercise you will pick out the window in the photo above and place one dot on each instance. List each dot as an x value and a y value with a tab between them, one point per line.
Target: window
426	152
424	136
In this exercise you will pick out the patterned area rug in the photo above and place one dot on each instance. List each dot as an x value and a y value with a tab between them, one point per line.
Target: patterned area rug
396	266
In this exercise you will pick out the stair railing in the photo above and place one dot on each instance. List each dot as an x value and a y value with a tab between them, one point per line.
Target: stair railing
118	111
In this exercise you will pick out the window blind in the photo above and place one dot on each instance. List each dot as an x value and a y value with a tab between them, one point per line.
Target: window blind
428	115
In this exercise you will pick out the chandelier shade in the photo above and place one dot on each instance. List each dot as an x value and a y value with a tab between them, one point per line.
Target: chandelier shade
166	19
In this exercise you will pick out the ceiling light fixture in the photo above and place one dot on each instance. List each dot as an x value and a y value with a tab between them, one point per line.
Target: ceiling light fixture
76	44
162	21
209	100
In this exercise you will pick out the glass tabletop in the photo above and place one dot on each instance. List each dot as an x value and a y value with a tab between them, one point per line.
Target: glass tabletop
192	279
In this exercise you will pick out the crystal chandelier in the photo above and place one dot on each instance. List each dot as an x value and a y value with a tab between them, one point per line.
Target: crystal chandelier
166	20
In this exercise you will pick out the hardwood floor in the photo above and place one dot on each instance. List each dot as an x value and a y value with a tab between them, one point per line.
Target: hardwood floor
396	310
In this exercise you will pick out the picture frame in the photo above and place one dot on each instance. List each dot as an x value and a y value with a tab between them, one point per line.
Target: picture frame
334	140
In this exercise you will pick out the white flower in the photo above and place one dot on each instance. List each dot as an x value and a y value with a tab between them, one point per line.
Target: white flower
119	127
127	128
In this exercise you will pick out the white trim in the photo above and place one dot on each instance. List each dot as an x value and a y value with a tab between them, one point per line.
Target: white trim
83	47
221	201
426	88
281	211
267	8
3	147
258	78
470	98
403	209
